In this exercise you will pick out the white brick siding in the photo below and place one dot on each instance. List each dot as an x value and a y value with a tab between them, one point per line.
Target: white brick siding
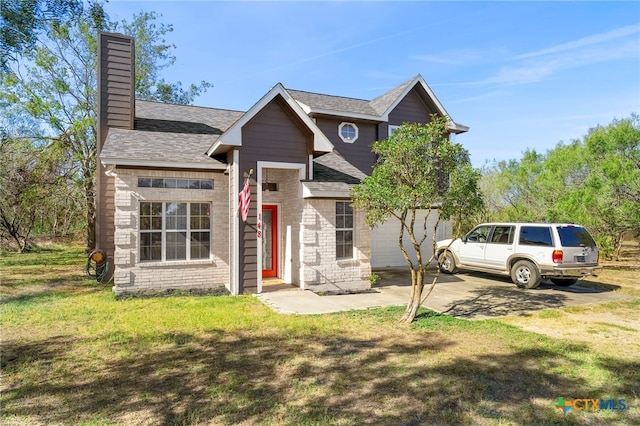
130	275
311	224
289	198
321	271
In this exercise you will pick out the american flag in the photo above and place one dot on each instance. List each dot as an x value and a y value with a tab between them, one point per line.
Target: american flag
245	198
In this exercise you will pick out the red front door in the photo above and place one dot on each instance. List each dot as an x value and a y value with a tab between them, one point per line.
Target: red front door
269	241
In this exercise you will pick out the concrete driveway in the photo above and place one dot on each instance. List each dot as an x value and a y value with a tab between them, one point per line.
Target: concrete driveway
465	295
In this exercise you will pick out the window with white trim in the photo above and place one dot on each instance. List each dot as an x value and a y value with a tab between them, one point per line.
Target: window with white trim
348	132
174	231
344	230
392	128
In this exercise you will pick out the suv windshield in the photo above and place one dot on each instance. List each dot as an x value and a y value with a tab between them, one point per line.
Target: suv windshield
575	236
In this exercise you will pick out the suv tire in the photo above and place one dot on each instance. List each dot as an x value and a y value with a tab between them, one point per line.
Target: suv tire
564	282
447	263
524	274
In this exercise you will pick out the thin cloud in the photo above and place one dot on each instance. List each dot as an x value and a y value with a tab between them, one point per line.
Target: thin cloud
479	98
586	41
536	70
536	66
463	56
342	50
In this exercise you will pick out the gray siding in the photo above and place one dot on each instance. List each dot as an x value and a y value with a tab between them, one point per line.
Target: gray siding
274	134
357	153
413	109
116	81
249	242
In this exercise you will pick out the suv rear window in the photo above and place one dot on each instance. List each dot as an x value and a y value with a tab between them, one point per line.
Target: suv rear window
536	236
575	236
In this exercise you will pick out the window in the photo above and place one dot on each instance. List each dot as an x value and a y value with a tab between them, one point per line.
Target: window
174	231
150	231
502	235
348	132
392	129
575	236
146	182
535	236
344	230
479	235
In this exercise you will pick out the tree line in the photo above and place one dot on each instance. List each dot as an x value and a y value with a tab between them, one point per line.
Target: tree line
593	181
48	79
48	126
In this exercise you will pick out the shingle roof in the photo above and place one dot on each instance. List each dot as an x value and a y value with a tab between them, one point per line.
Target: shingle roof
180	134
376	107
184	133
159	147
332	167
317	188
333	103
160	117
382	103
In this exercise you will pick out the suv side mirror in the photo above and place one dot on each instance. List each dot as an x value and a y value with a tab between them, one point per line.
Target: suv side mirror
464	238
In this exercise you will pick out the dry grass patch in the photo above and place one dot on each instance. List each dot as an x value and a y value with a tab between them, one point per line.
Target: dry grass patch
611	328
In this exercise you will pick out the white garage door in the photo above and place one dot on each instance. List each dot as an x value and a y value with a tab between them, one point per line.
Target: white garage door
384	240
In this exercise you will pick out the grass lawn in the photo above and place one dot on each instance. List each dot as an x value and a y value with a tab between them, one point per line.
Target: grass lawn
72	354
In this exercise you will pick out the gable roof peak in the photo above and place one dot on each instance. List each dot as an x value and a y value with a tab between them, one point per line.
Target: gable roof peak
232	137
385	103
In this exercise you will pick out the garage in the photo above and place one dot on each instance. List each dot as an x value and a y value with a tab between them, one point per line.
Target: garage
384	240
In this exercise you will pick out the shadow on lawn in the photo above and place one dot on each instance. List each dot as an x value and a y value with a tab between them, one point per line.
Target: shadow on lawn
477	295
229	378
34	288
497	301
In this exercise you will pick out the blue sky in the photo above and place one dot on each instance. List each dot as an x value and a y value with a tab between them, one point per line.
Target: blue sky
521	75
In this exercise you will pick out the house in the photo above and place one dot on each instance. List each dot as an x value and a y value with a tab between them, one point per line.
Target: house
169	180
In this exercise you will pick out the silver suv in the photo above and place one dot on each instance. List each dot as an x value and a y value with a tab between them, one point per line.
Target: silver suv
528	252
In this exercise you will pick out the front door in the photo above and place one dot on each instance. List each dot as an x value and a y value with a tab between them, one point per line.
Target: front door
500	248
472	250
269	241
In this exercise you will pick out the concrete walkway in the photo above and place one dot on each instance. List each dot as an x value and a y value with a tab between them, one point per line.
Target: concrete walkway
464	295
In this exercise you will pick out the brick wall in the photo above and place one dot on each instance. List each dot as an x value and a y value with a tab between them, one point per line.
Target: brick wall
320	270
289	198
130	274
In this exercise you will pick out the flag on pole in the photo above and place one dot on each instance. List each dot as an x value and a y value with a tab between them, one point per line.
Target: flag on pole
245	198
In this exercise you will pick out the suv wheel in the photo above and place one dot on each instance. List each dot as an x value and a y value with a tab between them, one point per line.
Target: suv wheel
564	282
447	263
524	274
